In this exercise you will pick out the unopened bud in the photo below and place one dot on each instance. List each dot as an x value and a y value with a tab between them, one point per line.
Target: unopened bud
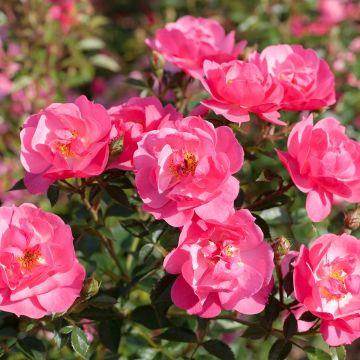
352	219
281	246
158	63
90	289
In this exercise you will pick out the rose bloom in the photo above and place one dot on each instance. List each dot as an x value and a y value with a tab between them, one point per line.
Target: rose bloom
39	271
224	265
307	79
238	88
186	167
65	141
135	118
189	41
324	163
327	283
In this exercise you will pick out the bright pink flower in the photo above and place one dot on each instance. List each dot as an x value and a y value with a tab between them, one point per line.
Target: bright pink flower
327	283
133	120
189	41
323	162
307	79
39	272
239	88
63	141
224	265
186	167
63	11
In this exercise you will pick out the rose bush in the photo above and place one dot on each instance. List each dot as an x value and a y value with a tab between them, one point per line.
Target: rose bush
192	236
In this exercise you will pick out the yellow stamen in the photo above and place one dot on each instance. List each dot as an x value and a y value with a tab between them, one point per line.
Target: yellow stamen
188	167
64	150
29	259
230	251
337	275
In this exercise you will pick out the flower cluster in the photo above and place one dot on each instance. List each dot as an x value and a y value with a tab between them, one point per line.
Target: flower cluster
185	173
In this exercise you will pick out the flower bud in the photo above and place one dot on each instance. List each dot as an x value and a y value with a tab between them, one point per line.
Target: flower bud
352	219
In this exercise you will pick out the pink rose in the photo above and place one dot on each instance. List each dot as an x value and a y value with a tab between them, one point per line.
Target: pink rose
186	167
222	266
307	79
327	283
189	41
324	163
133	120
39	271
64	141
239	88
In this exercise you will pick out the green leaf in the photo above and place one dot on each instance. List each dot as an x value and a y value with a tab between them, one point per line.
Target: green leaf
219	349
117	194
53	194
136	83
145	252
316	354
338	353
91	43
19	185
103	301
118	210
79	342
259	221
110	334
66	329
308	316
105	62
161	294
272	311
280	350
341	352
288	283
254	332
178	335
290	326
148	317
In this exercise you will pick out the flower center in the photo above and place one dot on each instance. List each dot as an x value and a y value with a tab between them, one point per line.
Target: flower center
30	258
333	285
186	166
64	146
230	251
216	251
64	150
